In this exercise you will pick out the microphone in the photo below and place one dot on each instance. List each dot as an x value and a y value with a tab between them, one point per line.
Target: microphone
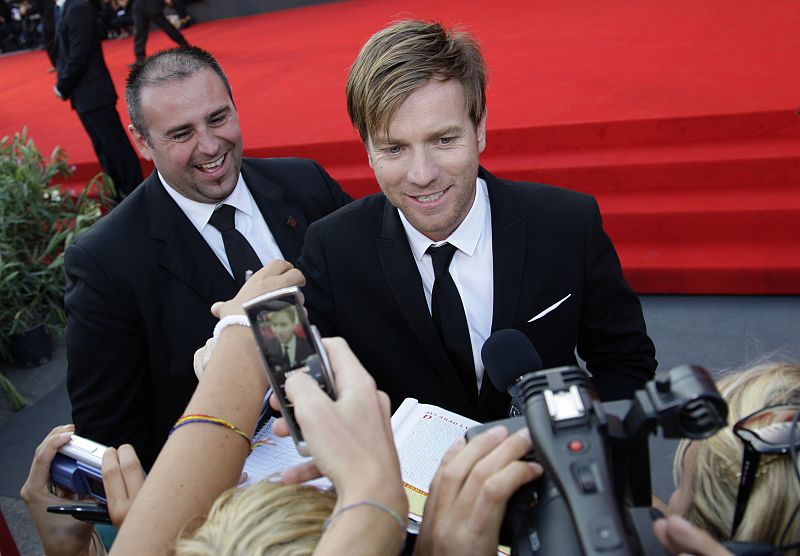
507	356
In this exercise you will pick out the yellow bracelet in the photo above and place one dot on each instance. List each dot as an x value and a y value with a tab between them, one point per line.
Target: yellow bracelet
200	418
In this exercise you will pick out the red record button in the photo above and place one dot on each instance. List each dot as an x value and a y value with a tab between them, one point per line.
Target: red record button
575	446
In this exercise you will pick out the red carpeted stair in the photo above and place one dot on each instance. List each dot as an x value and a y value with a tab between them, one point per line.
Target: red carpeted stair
681	118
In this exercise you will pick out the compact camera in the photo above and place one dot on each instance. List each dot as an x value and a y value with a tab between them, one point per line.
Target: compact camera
77	467
289	345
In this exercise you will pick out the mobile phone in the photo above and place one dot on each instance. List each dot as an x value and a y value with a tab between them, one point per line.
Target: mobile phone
84	512
289	345
77	467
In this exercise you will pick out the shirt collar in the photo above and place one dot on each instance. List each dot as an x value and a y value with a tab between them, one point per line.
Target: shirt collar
465	237
290	344
200	213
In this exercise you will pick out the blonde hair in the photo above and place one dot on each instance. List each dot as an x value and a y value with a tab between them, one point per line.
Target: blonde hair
401	58
715	480
265	518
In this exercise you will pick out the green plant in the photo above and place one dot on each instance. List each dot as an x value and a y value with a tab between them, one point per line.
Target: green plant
15	399
39	222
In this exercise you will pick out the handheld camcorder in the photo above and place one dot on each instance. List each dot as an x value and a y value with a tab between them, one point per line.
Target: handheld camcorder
289	345
592	452
77	467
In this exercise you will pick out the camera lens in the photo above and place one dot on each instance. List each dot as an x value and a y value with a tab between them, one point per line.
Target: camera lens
701	417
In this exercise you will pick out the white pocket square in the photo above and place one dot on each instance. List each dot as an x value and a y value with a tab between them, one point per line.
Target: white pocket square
551	308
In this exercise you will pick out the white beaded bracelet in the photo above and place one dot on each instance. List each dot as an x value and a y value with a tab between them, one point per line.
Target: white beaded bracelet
224	322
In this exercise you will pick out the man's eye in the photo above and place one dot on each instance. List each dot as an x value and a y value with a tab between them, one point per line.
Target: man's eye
394	149
447	140
180	136
218	120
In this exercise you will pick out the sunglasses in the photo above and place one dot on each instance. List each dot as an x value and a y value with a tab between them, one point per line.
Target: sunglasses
772	430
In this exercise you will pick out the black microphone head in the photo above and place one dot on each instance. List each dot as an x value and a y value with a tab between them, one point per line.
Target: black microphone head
507	355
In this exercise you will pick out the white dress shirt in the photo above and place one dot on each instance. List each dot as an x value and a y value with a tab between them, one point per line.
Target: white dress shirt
472	268
249	221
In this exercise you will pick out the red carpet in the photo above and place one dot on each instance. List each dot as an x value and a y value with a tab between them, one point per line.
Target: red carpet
680	117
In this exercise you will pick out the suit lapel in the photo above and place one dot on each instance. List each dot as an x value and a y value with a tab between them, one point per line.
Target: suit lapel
508	254
287	223
402	276
62	11
186	254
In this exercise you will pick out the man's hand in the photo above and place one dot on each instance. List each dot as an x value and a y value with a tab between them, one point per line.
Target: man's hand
123	476
468	495
60	534
276	275
681	537
202	356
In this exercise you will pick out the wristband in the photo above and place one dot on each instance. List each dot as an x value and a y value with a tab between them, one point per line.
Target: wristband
224	322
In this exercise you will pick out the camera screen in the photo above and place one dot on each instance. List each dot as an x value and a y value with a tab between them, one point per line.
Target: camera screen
284	337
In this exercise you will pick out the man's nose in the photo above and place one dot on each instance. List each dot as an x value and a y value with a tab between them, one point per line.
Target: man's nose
207	142
423	169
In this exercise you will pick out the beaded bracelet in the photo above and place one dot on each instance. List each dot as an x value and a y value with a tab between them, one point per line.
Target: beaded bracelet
225	322
200	418
367	502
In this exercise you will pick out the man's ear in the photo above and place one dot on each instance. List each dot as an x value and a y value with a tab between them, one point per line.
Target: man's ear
480	131
142	144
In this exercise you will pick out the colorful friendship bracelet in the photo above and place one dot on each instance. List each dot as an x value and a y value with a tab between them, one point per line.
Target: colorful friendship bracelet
367	502
200	418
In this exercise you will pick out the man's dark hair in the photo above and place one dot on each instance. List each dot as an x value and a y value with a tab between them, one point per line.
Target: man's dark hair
175	64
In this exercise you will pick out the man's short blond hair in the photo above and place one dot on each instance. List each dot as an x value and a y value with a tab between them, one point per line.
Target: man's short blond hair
403	57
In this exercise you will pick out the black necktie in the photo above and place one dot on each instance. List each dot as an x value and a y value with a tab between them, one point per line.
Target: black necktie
448	315
240	253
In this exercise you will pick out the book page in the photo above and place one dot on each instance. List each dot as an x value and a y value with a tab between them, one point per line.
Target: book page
268	460
423	433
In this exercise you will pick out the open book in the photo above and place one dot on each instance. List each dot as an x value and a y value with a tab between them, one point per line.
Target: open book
278	453
422	435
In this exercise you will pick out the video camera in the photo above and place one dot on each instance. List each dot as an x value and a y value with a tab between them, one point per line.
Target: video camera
590	501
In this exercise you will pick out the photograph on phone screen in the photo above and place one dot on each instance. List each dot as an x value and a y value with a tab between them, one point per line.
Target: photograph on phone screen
285	343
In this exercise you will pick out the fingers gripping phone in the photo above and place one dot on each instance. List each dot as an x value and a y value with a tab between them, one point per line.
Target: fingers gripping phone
289	345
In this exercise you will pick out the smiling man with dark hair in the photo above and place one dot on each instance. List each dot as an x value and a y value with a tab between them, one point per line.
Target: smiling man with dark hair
141	282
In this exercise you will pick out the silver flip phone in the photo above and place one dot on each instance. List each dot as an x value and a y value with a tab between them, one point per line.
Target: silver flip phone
288	345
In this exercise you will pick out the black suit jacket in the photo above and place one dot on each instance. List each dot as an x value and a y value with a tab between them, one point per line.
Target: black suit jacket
363	284
302	349
82	72
140	284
